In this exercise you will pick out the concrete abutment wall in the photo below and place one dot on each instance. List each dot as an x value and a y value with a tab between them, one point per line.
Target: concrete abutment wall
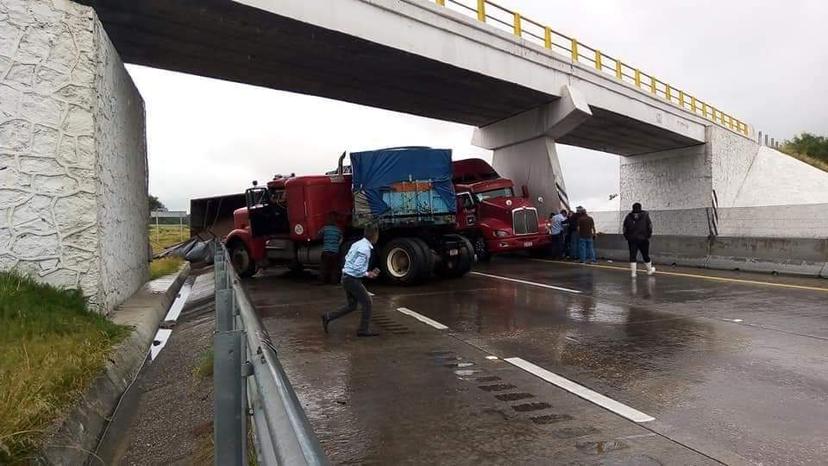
73	165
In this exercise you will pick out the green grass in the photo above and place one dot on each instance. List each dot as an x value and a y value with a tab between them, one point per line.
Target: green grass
51	348
165	266
166	235
204	369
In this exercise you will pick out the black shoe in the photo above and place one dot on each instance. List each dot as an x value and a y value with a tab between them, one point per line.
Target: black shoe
367	333
325	322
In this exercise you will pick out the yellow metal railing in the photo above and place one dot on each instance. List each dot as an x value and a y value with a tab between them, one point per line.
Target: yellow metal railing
491	13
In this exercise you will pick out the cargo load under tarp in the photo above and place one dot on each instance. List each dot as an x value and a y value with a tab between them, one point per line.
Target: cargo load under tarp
403	186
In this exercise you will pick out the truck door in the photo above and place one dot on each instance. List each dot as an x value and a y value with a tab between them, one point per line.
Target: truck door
267	211
466	208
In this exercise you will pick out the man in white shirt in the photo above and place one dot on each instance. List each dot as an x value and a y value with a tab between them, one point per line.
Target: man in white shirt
355	269
559	223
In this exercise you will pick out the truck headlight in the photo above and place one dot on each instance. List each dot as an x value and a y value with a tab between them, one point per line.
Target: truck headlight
501	234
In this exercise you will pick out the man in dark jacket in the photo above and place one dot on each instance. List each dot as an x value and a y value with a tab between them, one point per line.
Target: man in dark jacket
638	229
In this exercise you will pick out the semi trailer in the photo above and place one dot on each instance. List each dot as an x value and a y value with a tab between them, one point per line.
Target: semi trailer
406	192
491	216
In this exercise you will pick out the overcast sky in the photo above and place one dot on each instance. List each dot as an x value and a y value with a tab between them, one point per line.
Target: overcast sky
765	62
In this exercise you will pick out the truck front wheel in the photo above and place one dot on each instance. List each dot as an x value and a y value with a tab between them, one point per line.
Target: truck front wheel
480	249
402	261
240	258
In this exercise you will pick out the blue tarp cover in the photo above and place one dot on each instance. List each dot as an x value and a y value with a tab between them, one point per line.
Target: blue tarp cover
375	171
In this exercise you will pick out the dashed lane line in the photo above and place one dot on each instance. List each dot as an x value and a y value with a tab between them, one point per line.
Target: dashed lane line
422	318
581	391
526	282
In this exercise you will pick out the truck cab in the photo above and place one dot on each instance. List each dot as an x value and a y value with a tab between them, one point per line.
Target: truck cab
490	214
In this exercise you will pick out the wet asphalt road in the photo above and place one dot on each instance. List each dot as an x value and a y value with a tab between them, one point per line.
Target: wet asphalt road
732	372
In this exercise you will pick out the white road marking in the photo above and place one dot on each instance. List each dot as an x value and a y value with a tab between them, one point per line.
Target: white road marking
161	337
492	358
422	318
542	285
734	320
581	391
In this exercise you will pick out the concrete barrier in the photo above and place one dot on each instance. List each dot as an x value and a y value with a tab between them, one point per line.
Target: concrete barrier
796	256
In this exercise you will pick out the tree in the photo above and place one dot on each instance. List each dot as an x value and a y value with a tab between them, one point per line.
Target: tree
809	144
155	204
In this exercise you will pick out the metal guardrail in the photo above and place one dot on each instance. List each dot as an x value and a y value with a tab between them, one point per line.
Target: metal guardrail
249	382
487	11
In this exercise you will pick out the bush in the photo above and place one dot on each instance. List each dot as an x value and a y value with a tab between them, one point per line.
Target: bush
810	145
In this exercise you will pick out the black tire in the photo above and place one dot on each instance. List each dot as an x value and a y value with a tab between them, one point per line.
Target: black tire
459	265
428	260
240	258
480	249
402	261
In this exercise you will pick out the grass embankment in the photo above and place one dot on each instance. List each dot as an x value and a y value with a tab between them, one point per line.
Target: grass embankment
813	161
51	348
165	266
160	239
165	236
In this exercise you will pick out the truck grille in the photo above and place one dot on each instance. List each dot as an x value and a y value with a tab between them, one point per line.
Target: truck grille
525	221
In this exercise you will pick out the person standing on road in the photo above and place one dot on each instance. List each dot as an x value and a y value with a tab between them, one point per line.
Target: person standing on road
331	241
557	229
638	229
573	245
355	269
586	235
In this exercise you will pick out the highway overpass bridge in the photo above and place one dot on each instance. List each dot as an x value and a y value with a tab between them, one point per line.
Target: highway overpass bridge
72	122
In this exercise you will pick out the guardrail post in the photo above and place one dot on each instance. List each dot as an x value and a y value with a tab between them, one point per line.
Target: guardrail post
574	46
481	10
653	85
668	93
618	71
598	65
228	427
441	2
637	78
518	28
547	37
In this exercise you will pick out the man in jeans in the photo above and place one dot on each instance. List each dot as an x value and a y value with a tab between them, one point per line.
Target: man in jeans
355	269
586	234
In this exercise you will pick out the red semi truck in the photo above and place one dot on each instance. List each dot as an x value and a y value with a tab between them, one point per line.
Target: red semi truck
491	216
407	192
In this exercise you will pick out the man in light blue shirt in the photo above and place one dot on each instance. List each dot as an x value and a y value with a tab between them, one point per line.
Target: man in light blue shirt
559	222
355	269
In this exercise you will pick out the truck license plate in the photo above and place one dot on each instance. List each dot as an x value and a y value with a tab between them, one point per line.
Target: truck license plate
453	252
527	244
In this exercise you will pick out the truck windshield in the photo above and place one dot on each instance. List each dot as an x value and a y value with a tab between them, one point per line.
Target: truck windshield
501	192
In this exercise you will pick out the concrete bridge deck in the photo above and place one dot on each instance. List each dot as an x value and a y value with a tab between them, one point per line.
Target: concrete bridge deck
731	366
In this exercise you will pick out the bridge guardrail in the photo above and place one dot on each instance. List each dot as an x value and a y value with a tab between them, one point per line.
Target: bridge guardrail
489	12
249	382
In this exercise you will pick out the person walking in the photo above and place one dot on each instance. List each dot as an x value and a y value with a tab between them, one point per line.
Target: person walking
557	229
331	241
638	229
586	235
355	269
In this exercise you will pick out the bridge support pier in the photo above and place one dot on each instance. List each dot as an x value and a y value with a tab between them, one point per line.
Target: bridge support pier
524	148
73	166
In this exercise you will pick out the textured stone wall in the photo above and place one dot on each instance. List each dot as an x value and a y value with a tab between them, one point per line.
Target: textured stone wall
674	179
733	156
122	178
54	109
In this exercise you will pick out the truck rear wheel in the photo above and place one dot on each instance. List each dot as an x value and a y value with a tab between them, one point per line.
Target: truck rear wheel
241	259
459	265
403	261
